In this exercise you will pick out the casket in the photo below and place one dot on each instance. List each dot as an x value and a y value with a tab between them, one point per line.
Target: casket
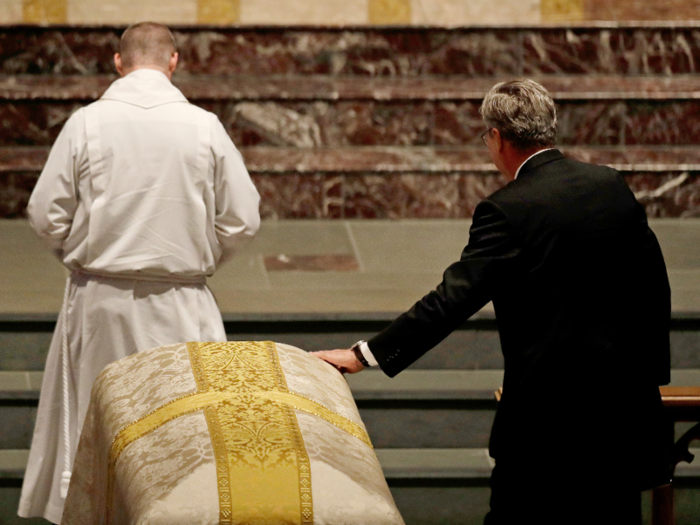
225	433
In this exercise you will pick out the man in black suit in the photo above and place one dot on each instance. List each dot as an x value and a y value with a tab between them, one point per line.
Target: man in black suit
582	301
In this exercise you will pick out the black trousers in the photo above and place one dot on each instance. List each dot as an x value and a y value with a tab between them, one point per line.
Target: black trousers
522	493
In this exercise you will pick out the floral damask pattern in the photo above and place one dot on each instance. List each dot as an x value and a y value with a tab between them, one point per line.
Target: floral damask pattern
251	432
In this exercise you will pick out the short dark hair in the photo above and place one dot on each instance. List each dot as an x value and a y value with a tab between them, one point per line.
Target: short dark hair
523	111
146	44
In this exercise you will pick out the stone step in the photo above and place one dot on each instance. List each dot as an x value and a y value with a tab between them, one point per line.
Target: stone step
476	346
411	160
397	463
345	122
390	182
655	48
336	88
327	111
370	385
417	409
420	409
430	487
13	463
397	262
24	343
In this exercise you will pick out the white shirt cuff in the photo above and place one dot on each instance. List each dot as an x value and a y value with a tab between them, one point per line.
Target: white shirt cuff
364	348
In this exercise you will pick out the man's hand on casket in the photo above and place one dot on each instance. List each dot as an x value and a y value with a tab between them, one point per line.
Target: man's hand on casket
343	360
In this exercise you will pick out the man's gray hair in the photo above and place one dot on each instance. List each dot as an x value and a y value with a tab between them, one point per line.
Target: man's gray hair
523	111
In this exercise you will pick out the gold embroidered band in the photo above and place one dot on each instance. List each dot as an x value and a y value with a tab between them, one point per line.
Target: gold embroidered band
261	461
259	441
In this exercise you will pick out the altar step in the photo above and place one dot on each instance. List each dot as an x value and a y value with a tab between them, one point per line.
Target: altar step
429	409
325	284
475	346
398	464
315	304
430	486
419	408
385	181
429	427
381	122
388	159
328	111
377	177
422	408
329	87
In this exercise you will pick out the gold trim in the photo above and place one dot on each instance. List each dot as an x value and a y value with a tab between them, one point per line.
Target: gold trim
312	407
303	468
222	478
145	425
201	400
197	368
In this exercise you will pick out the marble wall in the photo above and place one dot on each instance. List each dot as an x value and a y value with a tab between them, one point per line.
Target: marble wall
343	124
382	122
343	12
601	50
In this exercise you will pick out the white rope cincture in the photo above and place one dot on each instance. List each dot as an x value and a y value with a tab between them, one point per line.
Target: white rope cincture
65	476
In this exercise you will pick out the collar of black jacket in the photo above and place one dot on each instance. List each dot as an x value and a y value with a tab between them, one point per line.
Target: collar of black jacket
538	160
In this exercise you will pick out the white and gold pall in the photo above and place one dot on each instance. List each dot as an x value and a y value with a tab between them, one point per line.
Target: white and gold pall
225	433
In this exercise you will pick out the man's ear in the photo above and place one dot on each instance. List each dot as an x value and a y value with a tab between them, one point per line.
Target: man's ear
118	64
172	64
500	142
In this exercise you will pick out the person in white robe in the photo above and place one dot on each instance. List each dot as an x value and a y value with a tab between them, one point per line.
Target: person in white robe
142	196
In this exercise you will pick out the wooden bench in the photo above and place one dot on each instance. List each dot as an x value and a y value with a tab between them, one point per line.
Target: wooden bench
682	404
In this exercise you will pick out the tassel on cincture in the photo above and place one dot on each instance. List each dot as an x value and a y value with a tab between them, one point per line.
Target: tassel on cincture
65	481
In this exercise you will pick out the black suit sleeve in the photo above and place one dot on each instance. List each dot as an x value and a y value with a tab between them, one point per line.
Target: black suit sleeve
651	339
466	287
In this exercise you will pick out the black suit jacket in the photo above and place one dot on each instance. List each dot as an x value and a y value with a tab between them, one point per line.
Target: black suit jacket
582	302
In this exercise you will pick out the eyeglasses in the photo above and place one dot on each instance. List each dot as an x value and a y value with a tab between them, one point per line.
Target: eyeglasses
485	134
